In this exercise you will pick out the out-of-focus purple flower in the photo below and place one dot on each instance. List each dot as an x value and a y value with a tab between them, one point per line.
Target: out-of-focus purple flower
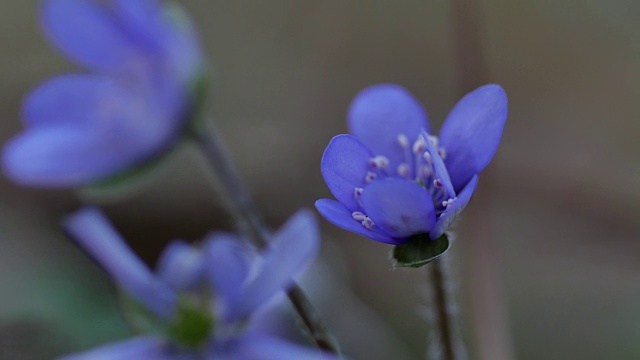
144	61
203	297
392	178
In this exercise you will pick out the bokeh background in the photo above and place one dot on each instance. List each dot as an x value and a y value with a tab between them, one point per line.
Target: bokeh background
547	254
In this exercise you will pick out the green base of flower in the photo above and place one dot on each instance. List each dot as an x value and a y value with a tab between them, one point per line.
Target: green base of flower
420	250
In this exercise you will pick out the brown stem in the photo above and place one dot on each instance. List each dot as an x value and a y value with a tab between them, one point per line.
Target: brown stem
250	223
445	331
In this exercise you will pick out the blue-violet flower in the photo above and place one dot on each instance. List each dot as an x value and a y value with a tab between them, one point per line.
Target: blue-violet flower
393	179
144	59
204	297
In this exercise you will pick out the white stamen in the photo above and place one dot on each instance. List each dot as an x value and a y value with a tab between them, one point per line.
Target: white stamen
420	145
358	192
403	170
358	216
427	157
438	184
370	176
403	140
379	162
425	171
367	223
434	140
449	202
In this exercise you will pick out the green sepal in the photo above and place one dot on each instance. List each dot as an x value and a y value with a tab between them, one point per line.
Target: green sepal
193	323
420	250
129	180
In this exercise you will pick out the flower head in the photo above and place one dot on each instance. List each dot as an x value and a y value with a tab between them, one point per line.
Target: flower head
143	57
204	297
393	178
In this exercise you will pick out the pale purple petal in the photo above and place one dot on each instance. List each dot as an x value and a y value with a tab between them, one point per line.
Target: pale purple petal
344	166
184	53
254	346
143	21
61	156
144	347
86	33
181	266
400	207
93	232
472	132
339	216
292	249
380	113
69	99
228	262
449	216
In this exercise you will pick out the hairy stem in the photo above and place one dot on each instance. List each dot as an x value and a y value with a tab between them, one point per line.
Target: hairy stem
446	333
249	221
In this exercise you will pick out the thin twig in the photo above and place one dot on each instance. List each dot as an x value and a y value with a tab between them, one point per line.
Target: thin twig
249	222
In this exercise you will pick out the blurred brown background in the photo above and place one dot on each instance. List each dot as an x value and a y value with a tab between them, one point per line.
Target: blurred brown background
548	253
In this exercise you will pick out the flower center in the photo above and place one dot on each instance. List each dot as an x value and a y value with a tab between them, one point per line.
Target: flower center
419	166
193	323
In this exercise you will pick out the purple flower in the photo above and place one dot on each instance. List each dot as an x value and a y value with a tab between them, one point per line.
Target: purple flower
392	178
203	298
144	60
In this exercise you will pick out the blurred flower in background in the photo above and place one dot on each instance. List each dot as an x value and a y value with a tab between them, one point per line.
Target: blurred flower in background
392	179
145	62
201	301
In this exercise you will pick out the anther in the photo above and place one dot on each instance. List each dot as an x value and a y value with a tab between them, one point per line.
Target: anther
358	216
434	140
379	162
358	192
367	222
370	176
403	140
442	152
427	157
438	184
449	202
420	145
426	171
403	170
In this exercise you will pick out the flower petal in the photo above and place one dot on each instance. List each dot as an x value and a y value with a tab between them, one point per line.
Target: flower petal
181	266
87	34
255	346
167	31
472	131
344	166
439	168
143	347
400	207
93	232
293	248
228	262
143	21
449	216
61	156
68	99
339	216
380	113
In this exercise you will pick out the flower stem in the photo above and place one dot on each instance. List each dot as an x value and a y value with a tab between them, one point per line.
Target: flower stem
249	221
446	338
